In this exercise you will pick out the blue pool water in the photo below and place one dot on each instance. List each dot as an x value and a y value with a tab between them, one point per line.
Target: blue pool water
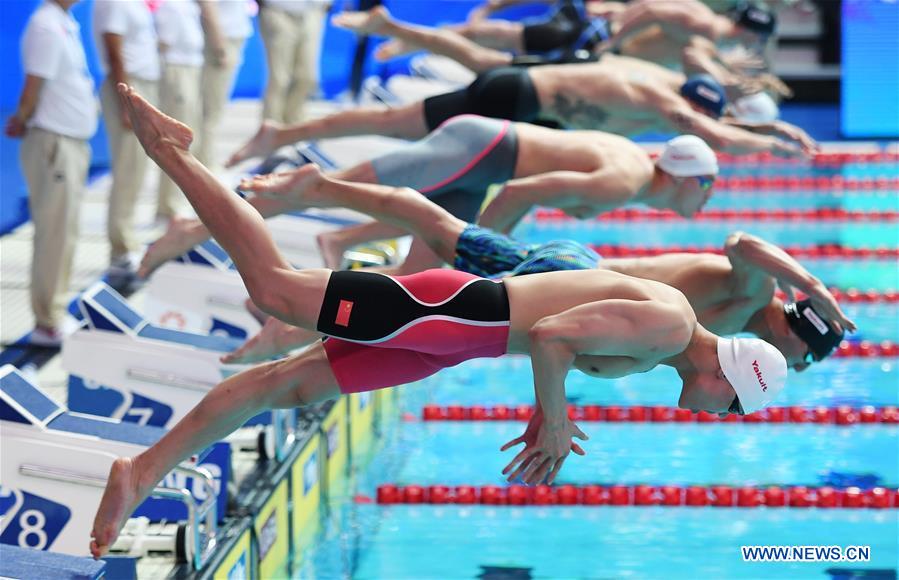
364	540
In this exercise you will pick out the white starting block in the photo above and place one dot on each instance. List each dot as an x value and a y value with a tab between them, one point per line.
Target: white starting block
441	68
200	299
54	470
128	369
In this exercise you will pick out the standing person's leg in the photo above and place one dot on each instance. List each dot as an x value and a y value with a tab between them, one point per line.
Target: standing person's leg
55	169
278	36
129	167
300	380
218	82
273	285
307	56
179	99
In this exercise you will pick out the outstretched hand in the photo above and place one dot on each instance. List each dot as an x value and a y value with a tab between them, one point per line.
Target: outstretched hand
794	133
823	301
827	305
545	450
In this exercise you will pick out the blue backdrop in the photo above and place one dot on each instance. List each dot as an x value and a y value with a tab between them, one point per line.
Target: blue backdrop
870	67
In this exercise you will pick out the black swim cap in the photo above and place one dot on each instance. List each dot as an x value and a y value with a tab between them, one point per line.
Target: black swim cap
757	19
705	91
812	328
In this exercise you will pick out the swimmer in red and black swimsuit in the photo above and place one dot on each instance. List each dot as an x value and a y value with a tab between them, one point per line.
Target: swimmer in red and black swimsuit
388	330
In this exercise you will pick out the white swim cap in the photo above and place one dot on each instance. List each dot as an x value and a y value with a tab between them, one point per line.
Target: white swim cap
755	369
688	156
757	108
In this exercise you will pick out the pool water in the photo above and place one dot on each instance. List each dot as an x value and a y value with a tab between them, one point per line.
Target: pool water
363	540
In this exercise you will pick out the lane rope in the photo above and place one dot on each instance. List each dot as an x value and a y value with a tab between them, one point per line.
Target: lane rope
643	495
843	415
819	251
819	214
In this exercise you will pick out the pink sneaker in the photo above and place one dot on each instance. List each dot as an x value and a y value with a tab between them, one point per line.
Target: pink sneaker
46	337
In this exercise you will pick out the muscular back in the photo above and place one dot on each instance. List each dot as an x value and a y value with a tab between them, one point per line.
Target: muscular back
612	95
539	296
542	150
723	302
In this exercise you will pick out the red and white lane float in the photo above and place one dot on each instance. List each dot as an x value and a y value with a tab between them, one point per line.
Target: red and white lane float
748	496
843	415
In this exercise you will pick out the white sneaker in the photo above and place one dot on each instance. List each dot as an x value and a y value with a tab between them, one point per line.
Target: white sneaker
126	264
46	338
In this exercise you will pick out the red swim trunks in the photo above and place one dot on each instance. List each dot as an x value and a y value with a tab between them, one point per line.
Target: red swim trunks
391	330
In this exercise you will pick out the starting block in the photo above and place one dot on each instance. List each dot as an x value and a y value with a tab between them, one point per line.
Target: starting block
123	367
54	470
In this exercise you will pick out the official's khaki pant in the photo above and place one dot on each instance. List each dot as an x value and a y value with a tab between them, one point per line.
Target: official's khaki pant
292	47
179	98
55	169
129	167
218	82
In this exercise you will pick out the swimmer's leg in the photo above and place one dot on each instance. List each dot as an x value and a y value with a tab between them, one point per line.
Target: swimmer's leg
495	34
441	41
272	283
401	207
300	380
404	122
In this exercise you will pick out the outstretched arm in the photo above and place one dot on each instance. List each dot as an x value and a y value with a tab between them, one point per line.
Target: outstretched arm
752	256
614	328
583	195
720	136
779	129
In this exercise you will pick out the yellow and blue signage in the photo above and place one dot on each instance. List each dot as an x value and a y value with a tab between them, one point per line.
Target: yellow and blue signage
336	446
306	477
273	541
361	422
237	564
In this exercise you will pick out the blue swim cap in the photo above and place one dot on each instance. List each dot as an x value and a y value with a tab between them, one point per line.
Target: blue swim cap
755	18
705	91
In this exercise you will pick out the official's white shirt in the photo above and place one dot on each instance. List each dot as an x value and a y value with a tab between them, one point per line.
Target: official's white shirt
132	20
52	50
235	18
180	32
296	6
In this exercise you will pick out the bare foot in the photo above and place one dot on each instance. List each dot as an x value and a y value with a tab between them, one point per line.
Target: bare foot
256	312
263	143
122	496
301	185
178	238
274	339
393	48
154	129
332	248
371	22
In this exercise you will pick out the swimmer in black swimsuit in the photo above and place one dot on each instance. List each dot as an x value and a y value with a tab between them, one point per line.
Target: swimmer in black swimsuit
617	94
